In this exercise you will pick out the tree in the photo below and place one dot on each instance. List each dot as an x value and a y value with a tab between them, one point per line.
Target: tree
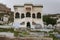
49	20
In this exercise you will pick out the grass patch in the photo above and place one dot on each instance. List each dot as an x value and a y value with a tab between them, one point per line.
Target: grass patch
52	36
57	31
16	33
6	30
9	30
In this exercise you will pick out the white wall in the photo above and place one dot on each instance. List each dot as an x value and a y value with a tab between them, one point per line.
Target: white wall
33	10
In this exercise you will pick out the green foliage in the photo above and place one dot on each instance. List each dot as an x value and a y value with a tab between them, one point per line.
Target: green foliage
23	33
52	36
16	33
6	30
51	31
49	20
57	31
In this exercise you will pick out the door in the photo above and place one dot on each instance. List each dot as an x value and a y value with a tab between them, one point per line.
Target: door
28	25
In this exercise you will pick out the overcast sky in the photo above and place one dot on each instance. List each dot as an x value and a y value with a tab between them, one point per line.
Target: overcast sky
49	6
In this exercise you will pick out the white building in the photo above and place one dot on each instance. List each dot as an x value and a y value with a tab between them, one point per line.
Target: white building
28	15
58	24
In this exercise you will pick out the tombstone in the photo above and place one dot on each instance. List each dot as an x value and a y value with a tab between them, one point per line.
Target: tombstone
16	25
49	26
45	26
5	19
38	26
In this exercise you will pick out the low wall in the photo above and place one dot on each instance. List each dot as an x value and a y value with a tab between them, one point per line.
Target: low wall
6	26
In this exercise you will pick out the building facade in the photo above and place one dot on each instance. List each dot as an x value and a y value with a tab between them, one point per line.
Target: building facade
28	15
5	14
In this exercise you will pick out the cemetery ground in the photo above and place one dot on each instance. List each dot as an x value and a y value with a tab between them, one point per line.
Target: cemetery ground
26	32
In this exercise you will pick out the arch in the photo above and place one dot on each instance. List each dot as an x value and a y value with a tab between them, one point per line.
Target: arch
22	15
38	15
17	15
28	14
33	15
28	25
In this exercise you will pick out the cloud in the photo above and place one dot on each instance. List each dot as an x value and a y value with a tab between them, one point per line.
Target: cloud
50	6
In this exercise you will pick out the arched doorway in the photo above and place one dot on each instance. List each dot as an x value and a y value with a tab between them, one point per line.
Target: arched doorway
28	25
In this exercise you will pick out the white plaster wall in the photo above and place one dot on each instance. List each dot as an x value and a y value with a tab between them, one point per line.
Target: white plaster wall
36	9
33	10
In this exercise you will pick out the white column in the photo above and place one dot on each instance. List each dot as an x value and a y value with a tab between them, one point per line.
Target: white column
25	18
36	15
20	15
31	18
